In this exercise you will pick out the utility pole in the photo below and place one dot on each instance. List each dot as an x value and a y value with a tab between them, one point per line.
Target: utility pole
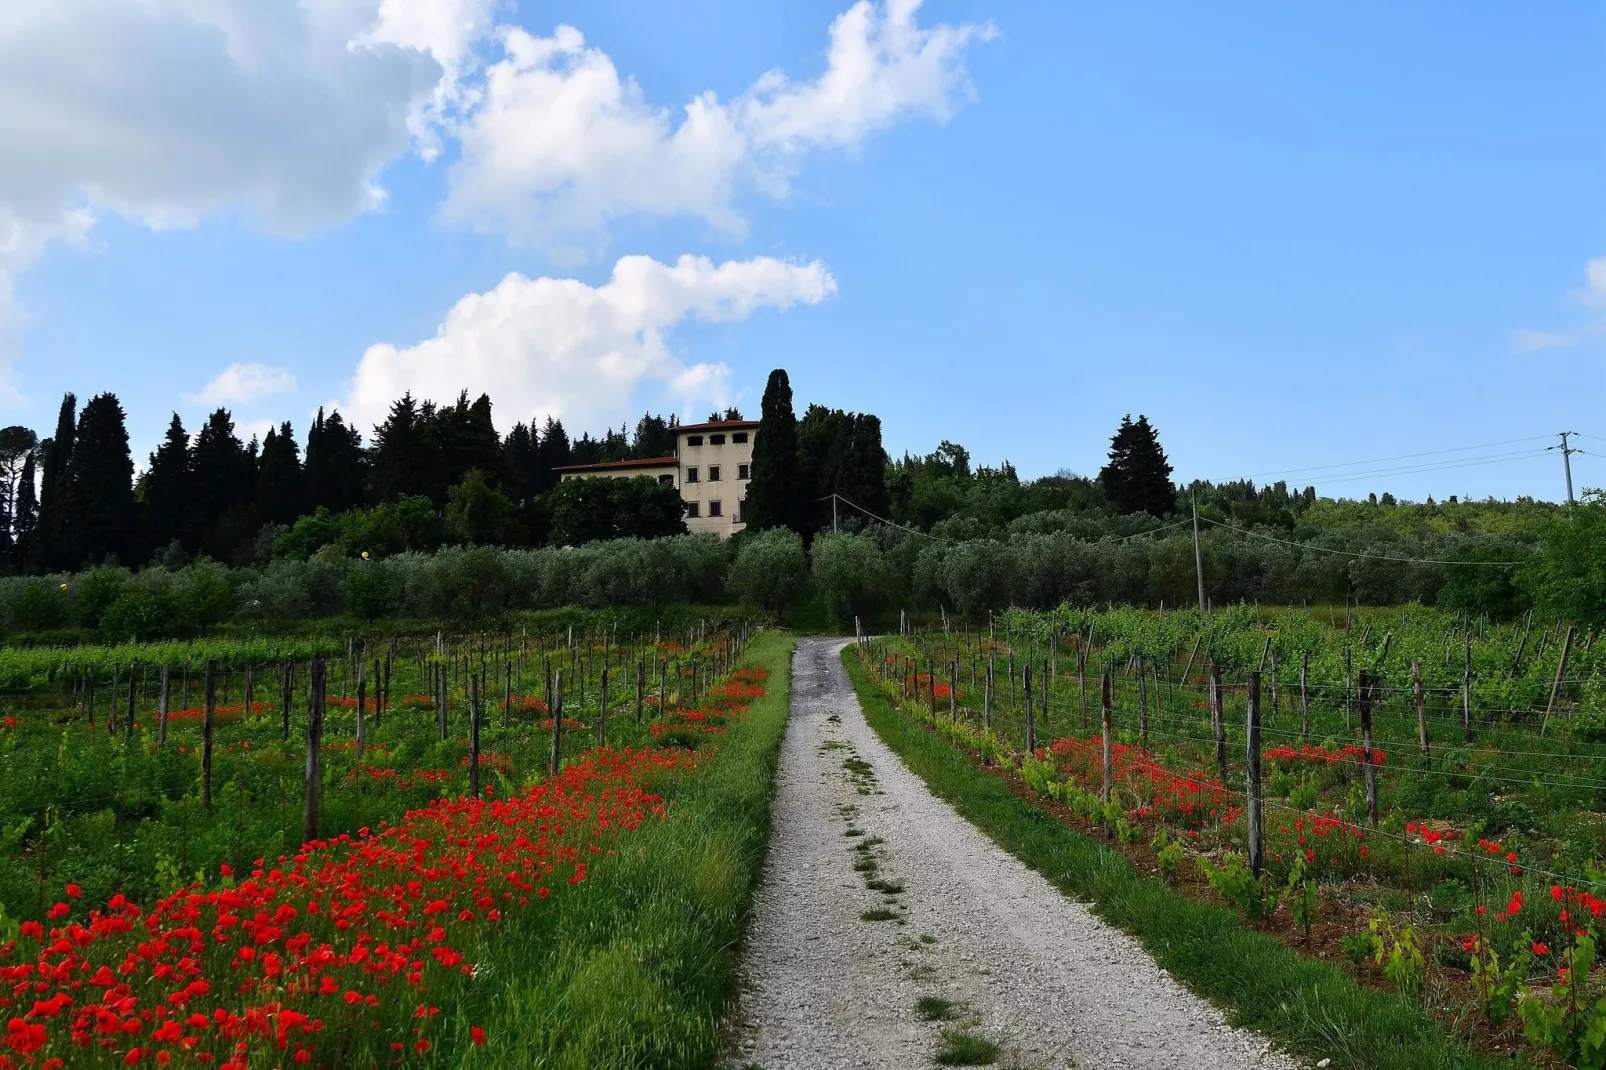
1198	557
1567	462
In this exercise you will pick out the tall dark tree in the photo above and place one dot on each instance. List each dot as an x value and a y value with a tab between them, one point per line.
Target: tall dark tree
97	496
461	438
776	496
55	453
399	463
521	461
279	495
555	452
334	468
25	515
169	491
224	473
654	437
1137	478
840	453
17	444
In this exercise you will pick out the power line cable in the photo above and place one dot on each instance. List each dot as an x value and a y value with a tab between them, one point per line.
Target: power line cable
1351	553
1399	457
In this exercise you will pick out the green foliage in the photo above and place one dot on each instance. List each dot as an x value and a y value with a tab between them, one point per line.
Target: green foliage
852	575
591	510
1253	896
479	514
1396	949
94	594
770	569
1568	579
1568	1020
1497	984
37	604
1168	855
1484	588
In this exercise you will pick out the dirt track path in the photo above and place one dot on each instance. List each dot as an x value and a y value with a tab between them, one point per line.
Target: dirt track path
1022	966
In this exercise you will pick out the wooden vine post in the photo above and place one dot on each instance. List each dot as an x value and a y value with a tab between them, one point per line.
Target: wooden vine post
1143	706
507	695
1031	726
641	684
987	695
1081	684
1363	690
474	736
1421	708
1561	676
289	688
208	713
1218	726
161	707
309	806
557	721
133	694
602	707
1252	760
362	713
1466	691
1304	698
1107	688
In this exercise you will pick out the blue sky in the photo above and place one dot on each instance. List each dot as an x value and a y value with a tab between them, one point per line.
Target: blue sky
1292	236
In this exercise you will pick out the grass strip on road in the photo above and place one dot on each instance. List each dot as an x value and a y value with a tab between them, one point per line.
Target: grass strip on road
1309	1007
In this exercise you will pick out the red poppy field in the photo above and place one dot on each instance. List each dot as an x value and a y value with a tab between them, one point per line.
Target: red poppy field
405	931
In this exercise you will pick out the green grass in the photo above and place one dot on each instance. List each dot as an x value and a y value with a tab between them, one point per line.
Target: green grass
966	1049
1310	1007
934	1008
879	914
639	969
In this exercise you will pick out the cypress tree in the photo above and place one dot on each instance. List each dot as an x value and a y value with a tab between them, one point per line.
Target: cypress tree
25	514
334	469
16	446
555	452
56	452
169	491
224	473
520	458
279	492
398	456
1137	478
775	494
97	493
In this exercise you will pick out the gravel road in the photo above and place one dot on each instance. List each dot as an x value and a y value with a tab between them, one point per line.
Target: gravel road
825	984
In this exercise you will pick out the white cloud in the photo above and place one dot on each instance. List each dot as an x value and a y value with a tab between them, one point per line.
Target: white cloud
1529	341
1594	293
559	141
241	384
559	347
167	111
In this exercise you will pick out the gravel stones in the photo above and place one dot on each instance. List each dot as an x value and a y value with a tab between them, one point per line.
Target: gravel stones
857	836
